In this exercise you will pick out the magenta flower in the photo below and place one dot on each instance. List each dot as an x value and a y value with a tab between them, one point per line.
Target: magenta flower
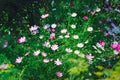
59	74
4	66
114	45
118	47
58	62
85	18
89	57
102	43
19	60
22	40
54	47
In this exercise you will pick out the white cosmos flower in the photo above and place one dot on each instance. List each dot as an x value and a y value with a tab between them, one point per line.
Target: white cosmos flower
90	29
41	36
61	36
98	10
53	25
74	14
77	52
75	36
73	26
80	45
63	30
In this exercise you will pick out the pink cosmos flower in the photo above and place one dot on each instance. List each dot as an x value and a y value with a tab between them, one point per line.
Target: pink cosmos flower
19	60
118	47
58	62
85	18
89	57
92	13
5	44
36	53
44	16
68	50
47	44
4	66
46	60
54	47
59	74
22	40
114	45
102	43
44	54
33	28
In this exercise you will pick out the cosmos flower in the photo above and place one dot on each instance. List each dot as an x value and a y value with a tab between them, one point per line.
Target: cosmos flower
75	36
44	54
74	14
89	57
36	53
54	47
58	62
5	44
33	28
46	60
4	66
80	45
77	52
46	44
85	17
69	50
44	16
59	74
101	43
73	26
63	30
19	60
90	29
22	39
53	25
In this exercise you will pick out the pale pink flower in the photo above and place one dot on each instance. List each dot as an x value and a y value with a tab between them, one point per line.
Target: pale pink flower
19	60
44	54
89	57
46	60
36	53
58	62
5	44
59	74
54	47
4	66
21	40
47	44
44	16
33	28
68	50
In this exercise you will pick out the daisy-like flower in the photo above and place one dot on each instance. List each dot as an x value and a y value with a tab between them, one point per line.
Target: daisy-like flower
74	14
67	36
44	54
116	52
81	55
44	16
98	10
61	37
54	47
59	74
114	45
68	50
58	62
46	26
19	60
33	28
5	44
46	60
101	43
53	25
77	52
73	26
90	29
4	66
76	37
47	44
36	53
63	30
41	36
22	39
80	45
89	57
